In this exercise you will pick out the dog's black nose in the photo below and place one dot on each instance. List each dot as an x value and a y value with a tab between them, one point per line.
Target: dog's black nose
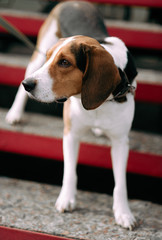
29	84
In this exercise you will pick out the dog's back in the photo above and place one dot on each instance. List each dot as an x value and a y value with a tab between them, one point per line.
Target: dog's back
80	18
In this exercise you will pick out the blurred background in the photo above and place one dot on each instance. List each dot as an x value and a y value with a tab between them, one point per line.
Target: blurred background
139	25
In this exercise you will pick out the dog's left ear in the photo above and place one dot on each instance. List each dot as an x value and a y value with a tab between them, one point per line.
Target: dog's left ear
100	78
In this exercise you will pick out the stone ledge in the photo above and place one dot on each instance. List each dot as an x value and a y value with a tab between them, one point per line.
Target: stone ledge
30	206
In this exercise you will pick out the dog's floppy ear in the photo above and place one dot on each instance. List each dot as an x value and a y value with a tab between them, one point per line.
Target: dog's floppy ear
100	78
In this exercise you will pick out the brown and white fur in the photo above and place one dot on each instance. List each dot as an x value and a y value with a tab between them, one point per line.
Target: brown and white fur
85	73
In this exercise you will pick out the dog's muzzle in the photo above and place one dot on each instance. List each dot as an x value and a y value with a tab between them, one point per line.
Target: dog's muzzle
29	84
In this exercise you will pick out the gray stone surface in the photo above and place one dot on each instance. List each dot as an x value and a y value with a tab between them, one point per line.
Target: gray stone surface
30	206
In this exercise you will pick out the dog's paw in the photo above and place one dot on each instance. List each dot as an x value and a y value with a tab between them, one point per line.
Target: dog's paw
13	117
125	218
65	202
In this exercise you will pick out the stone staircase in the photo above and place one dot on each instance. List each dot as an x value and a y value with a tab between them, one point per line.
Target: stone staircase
27	208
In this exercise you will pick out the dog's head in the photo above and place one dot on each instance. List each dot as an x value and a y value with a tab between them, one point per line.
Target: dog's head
75	65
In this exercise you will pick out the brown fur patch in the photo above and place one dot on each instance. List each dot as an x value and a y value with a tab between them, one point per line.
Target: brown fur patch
66	81
98	80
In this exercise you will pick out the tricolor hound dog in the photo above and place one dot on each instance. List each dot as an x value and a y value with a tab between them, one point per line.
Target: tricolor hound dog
93	74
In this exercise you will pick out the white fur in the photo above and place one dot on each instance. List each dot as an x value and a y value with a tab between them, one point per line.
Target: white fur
43	90
67	198
114	119
15	113
118	51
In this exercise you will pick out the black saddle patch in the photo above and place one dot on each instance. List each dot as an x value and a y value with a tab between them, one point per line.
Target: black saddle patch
81	18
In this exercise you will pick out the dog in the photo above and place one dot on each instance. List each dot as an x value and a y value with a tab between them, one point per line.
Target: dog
78	63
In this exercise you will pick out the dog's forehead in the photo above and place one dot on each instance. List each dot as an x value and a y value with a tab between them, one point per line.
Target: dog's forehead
60	45
52	52
67	42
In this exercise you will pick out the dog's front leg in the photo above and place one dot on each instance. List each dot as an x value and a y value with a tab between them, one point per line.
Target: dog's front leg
119	154
66	200
15	113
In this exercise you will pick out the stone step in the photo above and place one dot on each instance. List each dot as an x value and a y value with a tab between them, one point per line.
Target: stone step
140	35
41	136
12	68
27	212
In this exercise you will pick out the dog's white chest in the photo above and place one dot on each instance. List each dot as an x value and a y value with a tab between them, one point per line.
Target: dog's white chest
92	118
109	117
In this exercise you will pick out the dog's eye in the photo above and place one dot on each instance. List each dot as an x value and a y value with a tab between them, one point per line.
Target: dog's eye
64	63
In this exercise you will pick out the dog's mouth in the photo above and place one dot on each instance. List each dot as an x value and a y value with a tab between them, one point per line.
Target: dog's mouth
61	100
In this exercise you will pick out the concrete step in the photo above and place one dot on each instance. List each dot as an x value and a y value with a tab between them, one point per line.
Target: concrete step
140	35
41	136
27	212
12	68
